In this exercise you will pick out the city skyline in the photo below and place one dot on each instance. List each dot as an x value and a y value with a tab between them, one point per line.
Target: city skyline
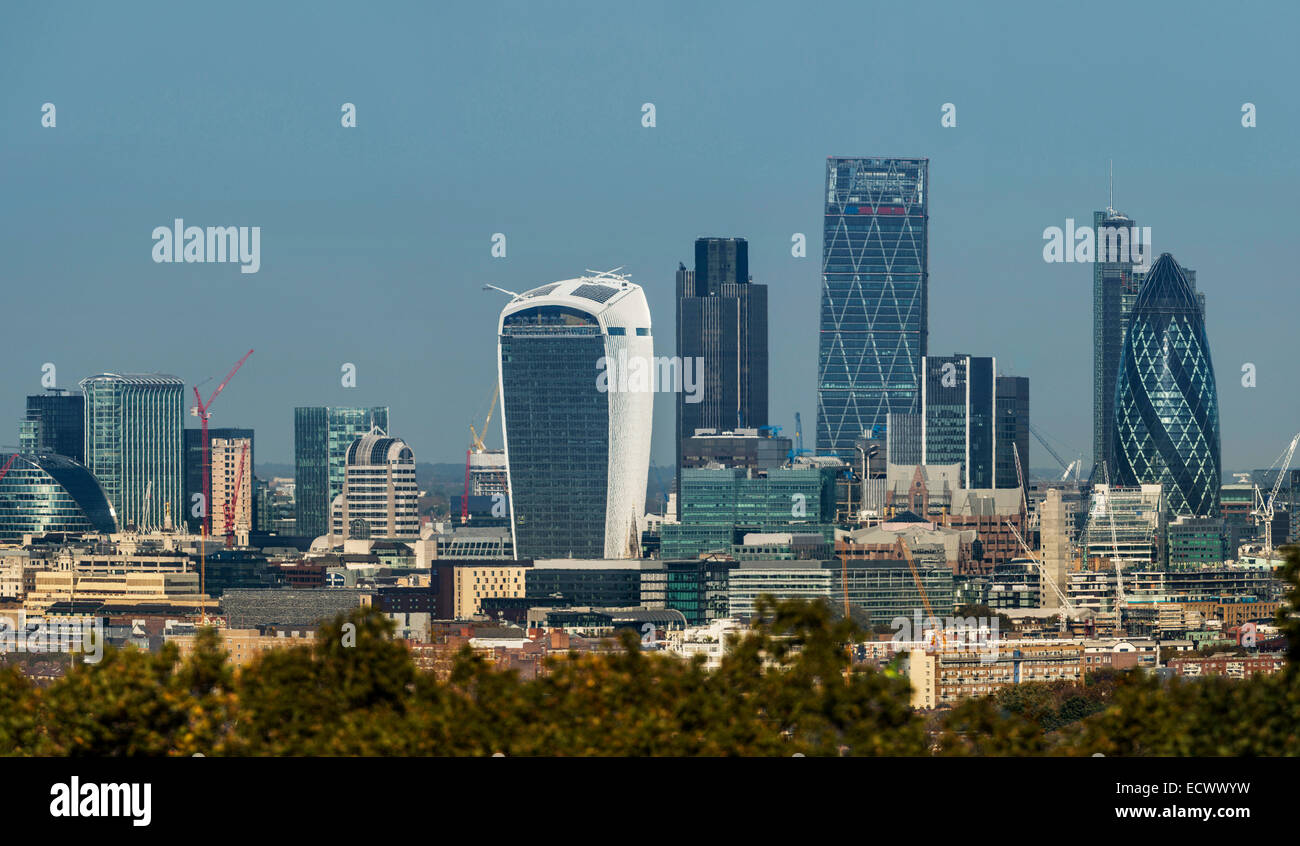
378	207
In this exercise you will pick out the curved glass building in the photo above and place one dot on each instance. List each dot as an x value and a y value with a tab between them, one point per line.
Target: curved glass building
577	370
1166	403
51	493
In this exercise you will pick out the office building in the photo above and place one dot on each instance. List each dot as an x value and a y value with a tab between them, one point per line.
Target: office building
957	416
379	497
1011	430
51	493
55	425
322	436
1125	525
720	505
722	329
750	449
1166	402
577	369
134	425
903	437
226	467
874	303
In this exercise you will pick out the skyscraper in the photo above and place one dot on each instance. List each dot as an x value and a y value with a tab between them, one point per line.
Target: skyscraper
1012	429
722	324
1118	272
1166	402
1115	284
379	498
577	370
874	307
55	424
321	437
194	473
134	446
957	415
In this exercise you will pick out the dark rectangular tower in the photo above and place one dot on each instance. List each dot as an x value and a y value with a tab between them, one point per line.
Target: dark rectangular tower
722	323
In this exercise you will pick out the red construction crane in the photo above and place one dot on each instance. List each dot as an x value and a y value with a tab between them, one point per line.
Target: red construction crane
200	410
233	499
8	464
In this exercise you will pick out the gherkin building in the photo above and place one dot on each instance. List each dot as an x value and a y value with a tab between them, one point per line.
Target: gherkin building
1166	404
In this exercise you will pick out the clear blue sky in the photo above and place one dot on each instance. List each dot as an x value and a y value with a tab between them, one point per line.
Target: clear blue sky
526	119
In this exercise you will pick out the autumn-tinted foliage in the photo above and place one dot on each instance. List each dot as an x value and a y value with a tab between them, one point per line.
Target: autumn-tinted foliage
788	687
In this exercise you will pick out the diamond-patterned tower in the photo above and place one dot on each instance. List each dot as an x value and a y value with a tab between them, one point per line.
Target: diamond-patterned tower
874	296
1166	403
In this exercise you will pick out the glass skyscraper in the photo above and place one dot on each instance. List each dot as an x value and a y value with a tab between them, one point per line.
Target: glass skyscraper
958	414
134	426
722	323
874	307
55	424
321	437
1116	280
577	401
1012	429
1166	402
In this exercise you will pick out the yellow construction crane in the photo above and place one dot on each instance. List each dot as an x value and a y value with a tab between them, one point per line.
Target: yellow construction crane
916	575
475	439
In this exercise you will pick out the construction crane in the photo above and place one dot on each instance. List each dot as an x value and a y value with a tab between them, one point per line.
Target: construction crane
1266	508
231	500
1067	466
4	470
475	439
201	411
1042	571
476	446
1117	560
144	509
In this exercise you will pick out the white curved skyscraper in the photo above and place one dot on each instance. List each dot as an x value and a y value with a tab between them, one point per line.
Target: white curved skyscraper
577	371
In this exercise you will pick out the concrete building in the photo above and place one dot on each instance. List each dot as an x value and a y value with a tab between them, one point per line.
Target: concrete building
379	497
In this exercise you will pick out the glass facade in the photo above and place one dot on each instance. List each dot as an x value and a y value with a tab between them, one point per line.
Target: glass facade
557	429
134	426
1166	402
1012	429
321	437
874	306
722	322
718	505
56	423
957	415
51	493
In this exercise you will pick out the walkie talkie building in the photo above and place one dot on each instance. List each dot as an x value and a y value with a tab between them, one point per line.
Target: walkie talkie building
1166	402
577	370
